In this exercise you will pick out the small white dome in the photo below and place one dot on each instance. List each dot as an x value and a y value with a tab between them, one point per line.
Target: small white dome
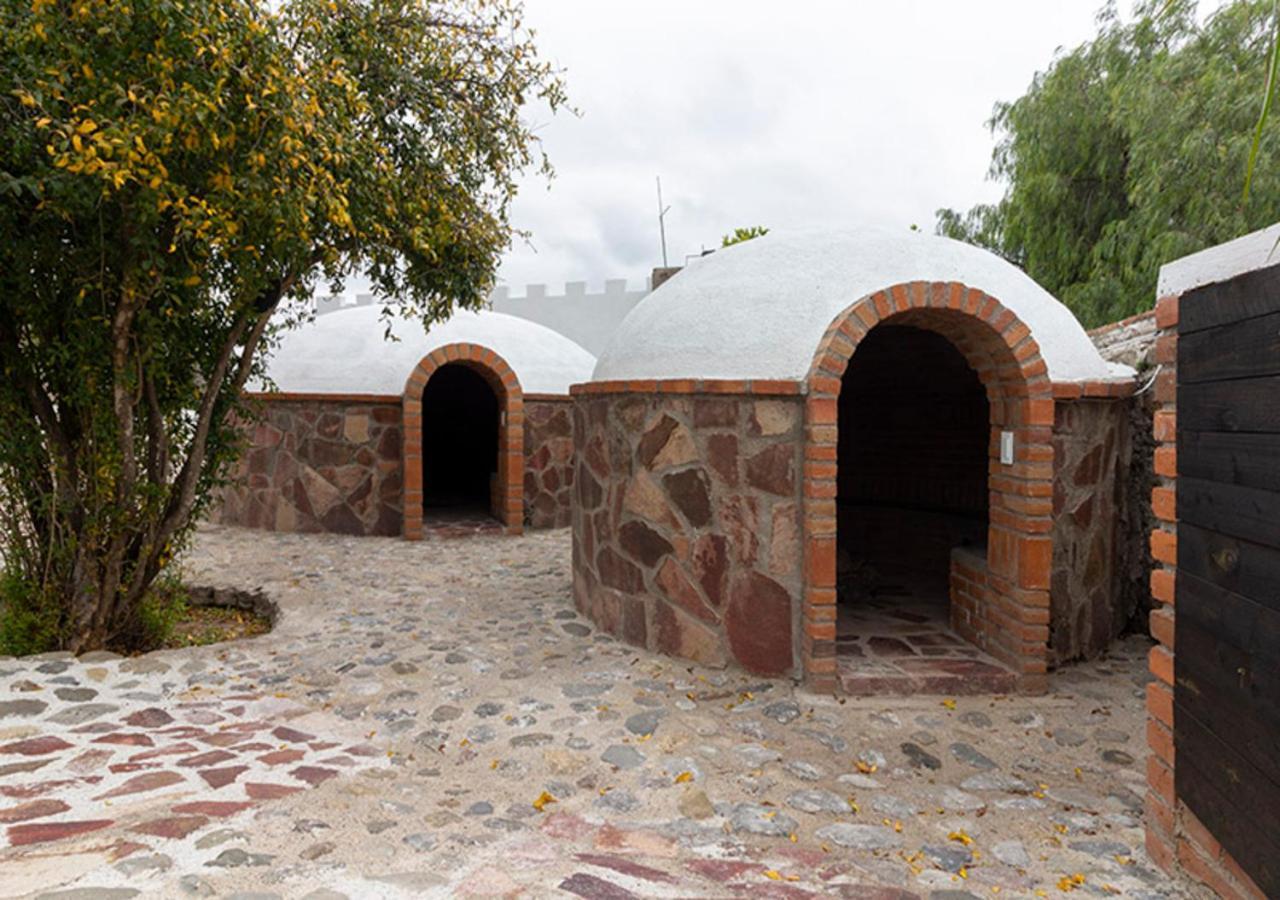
759	309
345	352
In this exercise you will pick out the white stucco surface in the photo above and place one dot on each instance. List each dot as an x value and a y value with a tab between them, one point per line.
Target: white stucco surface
345	352
759	309
1257	250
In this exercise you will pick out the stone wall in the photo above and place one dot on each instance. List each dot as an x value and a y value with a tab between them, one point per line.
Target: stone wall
327	464
548	469
687	523
1091	449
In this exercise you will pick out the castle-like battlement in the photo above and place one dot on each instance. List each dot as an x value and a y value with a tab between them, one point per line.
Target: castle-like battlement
585	316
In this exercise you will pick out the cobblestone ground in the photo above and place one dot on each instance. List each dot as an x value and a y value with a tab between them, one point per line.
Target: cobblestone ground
434	719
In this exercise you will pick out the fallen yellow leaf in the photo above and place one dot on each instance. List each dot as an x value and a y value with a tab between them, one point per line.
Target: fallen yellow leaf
543	799
772	874
684	777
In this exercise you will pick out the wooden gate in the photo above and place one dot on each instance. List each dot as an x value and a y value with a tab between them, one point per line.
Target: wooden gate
1227	664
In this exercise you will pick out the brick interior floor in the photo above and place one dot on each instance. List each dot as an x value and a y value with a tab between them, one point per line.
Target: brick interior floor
900	641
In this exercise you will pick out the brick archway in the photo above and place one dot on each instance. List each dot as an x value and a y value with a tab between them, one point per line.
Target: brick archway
1005	609
509	502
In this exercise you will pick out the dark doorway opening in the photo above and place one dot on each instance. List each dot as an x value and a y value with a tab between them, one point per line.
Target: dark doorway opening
914	439
460	429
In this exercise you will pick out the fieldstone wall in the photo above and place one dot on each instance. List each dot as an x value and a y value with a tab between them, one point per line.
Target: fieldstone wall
687	524
329	464
1091	447
548	469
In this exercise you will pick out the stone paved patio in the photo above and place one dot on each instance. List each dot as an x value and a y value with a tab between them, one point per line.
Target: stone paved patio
434	719
903	644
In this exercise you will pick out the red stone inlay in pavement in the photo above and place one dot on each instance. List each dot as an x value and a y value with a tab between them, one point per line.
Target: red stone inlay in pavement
149	718
216	808
41	832
148	781
901	642
279	757
222	777
34	809
285	733
125	738
625	867
225	738
313	775
23	791
204	760
259	791
36	746
88	761
172	827
171	750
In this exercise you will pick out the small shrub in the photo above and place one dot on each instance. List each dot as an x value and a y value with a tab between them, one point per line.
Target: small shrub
160	610
29	620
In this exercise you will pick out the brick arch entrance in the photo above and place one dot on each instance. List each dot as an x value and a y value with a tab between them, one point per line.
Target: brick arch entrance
1004	608
508	493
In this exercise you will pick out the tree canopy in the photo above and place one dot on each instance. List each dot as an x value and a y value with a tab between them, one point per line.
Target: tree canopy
175	176
751	232
1130	151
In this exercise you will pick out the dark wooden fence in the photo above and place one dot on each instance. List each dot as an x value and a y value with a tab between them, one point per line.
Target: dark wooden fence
1227	664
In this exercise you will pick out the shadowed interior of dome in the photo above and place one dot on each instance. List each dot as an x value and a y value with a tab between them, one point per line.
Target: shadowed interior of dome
912	485
459	440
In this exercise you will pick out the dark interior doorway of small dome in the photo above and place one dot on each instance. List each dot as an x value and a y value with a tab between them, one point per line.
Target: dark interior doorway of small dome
913	450
460	430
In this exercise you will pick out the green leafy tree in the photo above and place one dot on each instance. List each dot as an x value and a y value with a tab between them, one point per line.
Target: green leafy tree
1130	151
743	234
175	177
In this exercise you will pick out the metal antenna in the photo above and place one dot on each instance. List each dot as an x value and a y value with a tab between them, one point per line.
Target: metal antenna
662	225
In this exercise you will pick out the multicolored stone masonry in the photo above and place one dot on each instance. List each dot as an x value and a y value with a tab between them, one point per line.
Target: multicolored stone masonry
1091	451
687	523
320	464
548	463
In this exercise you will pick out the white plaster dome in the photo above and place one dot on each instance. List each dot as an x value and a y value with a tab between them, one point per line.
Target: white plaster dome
345	352
759	309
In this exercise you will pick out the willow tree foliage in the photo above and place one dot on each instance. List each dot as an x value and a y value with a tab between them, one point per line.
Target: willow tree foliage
175	176
1130	151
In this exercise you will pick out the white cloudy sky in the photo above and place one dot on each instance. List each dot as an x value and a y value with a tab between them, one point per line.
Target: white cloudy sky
785	113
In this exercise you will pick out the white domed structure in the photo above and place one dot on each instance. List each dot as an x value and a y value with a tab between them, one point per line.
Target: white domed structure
463	427
348	352
806	445
758	309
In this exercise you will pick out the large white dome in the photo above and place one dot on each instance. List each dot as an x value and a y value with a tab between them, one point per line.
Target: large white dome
345	352
758	310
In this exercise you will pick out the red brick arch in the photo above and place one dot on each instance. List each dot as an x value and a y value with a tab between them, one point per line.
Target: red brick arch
508	504
1005	609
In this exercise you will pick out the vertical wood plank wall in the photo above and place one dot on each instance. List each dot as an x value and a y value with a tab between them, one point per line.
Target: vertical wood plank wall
1227	665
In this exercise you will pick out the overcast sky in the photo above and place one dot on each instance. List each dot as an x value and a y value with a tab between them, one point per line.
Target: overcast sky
786	114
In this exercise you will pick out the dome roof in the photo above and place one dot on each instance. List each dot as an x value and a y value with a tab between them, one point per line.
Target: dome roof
759	309
345	352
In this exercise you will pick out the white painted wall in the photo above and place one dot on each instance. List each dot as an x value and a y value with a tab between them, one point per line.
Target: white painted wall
588	319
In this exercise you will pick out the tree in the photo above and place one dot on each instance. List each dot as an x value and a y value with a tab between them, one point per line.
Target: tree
743	234
175	176
1130	151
